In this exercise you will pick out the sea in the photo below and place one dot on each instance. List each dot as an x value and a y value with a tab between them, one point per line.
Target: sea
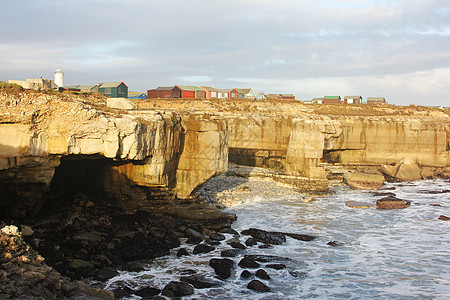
375	254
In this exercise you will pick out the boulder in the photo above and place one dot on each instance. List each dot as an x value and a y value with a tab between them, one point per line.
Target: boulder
229	253
217	236
182	252
246	274
147	292
444	218
358	204
261	273
335	244
178	289
276	266
203	248
272	238
248	262
300	237
258	286
200	281
237	245
406	169
365	181
222	267
392	203
251	242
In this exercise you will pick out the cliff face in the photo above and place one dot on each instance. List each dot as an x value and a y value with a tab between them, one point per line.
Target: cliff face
135	148
172	149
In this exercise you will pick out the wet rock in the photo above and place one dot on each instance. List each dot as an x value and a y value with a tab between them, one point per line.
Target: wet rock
200	281
141	247
364	181
251	242
258	286
133	266
268	258
191	233
261	273
122	292
105	274
178	289
187	272
237	245
276	266
435	204
147	292
246	274
212	242
392	203
193	240
298	274
300	237
248	262
222	267
217	236
229	230
335	244
182	252
203	248
273	238
264	246
444	218
359	204
383	194
229	253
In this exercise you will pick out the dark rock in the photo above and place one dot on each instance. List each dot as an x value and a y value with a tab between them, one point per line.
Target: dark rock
258	286
444	218
182	252
246	274
435	192
141	247
178	289
172	242
335	244
187	272
193	240
217	236
276	266
435	204
264	246
200	281
105	274
116	259
229	253
222	266
298	274
384	194
122	292
132	266
273	238
251	242
392	203
261	273
300	237
158	232
248	262
203	248
236	245
268	258
228	230
212	242
147	292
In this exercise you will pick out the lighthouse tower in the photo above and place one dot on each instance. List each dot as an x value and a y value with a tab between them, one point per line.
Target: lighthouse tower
59	78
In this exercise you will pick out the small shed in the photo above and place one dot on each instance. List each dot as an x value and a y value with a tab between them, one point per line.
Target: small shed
374	100
186	91
199	92
223	93
332	99
113	89
353	99
286	96
210	92
137	95
317	100
164	92
243	94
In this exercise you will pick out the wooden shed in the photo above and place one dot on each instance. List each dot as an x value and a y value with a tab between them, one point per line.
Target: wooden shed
374	100
199	92
352	99
286	96
113	89
210	92
164	92
186	91
332	99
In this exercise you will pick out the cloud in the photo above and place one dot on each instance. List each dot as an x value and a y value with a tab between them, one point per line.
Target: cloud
284	45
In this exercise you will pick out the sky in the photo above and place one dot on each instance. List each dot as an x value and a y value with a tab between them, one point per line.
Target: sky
310	48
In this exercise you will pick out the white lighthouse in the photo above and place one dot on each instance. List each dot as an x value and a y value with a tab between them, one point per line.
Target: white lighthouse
59	78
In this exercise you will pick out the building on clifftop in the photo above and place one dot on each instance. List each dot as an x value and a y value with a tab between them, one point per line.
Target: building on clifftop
375	100
332	99
113	89
36	84
352	99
